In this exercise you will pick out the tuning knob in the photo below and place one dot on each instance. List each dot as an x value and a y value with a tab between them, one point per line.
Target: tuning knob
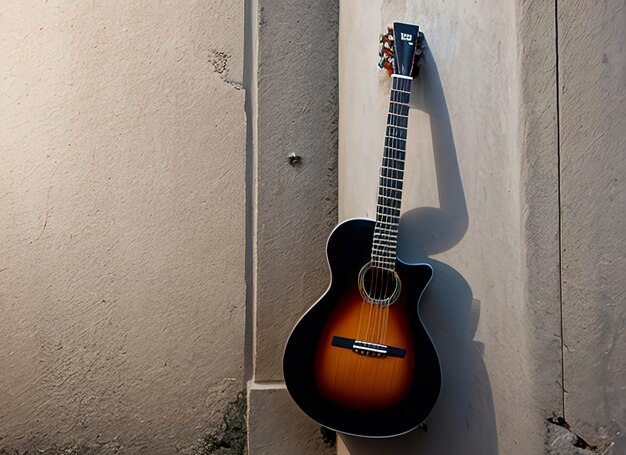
386	51
418	59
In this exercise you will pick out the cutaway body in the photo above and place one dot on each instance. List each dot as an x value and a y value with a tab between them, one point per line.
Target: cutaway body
358	367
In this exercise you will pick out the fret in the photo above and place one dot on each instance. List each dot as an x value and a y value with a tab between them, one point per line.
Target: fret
393	229
401	82
396	132
389	243
385	228
397	116
390	208
388	239
397	192
397	120
389	215
392	185
387	218
395	138
392	200
388	188
395	163
396	109
393	170
393	225
399	108
400	97
384	265
394	151
390	246
386	234
391	178
383	248
395	155
393	144
383	255
379	257
388	183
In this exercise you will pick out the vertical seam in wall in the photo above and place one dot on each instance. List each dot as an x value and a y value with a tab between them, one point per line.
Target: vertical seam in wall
558	159
251	110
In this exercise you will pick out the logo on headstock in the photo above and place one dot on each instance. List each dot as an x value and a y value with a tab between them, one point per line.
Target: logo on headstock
406	37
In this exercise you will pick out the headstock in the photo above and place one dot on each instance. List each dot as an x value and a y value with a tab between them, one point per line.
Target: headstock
401	49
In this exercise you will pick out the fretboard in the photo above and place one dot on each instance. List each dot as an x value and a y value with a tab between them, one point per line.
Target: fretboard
391	175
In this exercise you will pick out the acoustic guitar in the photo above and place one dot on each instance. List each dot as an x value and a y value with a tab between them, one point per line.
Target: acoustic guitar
360	361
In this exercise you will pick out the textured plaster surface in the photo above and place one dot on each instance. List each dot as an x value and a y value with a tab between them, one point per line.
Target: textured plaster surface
466	211
280	427
294	97
122	223
296	204
538	146
592	62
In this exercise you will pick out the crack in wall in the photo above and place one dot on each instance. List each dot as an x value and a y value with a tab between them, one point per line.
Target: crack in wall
558	186
230	438
219	60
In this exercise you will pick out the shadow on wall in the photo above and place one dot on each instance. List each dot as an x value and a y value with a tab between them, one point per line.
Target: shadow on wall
463	421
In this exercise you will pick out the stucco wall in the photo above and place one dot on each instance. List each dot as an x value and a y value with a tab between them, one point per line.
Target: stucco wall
293	90
592	88
122	162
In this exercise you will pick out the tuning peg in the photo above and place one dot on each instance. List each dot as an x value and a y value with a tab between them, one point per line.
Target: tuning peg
386	51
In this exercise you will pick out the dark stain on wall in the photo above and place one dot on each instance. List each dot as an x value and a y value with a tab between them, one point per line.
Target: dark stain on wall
230	438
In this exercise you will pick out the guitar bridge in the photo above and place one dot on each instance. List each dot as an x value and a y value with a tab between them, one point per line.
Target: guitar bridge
368	349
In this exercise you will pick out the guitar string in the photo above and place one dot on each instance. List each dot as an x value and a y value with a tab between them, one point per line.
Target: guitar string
382	279
387	251
397	173
380	249
381	275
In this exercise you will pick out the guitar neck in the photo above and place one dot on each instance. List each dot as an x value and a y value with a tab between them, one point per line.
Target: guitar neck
391	175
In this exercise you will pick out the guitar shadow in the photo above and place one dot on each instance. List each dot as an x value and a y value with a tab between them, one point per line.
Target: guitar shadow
463	421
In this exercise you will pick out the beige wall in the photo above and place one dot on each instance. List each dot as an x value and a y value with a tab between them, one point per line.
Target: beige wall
293	95
592	88
122	163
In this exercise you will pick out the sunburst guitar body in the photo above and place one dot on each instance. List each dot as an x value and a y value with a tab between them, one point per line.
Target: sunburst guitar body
360	361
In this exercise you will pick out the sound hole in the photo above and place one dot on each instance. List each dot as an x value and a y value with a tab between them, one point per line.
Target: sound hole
379	286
